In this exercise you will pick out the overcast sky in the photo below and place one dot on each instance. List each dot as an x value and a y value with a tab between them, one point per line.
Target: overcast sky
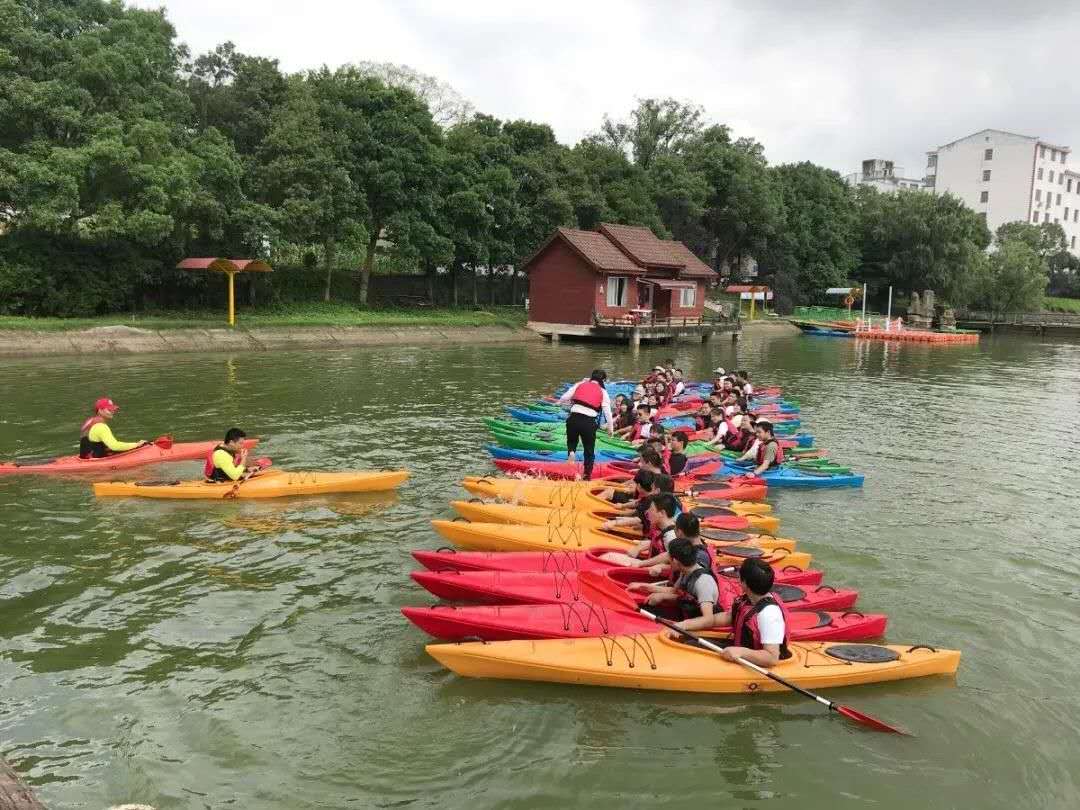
830	82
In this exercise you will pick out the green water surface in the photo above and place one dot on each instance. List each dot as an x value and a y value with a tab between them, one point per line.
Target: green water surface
251	654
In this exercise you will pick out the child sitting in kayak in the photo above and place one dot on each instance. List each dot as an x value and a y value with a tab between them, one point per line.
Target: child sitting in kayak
96	438
227	461
757	620
692	590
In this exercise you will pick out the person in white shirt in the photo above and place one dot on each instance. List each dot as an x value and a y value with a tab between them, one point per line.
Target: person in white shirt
680	386
589	399
757	619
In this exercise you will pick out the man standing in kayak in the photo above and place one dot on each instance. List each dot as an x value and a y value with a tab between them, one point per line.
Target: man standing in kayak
96	439
589	398
757	620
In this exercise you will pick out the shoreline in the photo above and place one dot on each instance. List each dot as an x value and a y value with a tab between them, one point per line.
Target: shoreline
118	339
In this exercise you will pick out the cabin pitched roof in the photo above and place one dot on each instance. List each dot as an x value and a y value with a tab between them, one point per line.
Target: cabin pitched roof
628	249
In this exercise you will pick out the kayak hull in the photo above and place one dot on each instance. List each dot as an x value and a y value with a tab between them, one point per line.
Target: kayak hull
586	620
658	663
481	512
564	494
538	562
270	484
512	588
508	537
139	457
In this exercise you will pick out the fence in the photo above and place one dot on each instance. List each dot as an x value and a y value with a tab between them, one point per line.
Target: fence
826	314
1019	318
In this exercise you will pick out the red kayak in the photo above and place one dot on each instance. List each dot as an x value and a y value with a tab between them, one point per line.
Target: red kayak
158	452
539	562
513	588
604	469
582	619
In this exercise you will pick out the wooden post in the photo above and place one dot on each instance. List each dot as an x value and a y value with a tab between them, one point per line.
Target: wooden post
752	302
635	338
232	299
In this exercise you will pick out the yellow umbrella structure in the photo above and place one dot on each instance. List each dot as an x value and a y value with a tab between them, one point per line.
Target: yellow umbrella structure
229	267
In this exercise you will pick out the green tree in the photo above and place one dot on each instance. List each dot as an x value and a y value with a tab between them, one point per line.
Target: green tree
1047	239
301	173
915	241
391	150
656	127
614	190
1015	279
818	247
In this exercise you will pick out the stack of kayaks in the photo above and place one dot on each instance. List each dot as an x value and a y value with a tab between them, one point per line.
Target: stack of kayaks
533	443
535	588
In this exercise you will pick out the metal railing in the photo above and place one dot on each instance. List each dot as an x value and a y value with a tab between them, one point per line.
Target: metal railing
1019	318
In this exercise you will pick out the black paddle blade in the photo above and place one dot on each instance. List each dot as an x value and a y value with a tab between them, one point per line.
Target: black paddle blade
868	721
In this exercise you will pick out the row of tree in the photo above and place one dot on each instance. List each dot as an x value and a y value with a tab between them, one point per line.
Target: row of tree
120	153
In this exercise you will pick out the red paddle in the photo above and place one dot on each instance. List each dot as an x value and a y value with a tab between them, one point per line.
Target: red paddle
847	711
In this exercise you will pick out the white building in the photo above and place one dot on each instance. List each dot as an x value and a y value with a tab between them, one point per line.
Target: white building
882	175
1008	178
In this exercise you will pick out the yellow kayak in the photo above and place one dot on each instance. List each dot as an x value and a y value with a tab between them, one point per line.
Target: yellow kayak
541	515
568	494
269	484
658	662
507	537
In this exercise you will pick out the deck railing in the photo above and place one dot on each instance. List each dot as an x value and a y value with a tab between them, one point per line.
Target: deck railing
651	320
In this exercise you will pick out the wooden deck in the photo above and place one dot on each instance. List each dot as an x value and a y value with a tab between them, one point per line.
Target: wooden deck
632	331
1038	323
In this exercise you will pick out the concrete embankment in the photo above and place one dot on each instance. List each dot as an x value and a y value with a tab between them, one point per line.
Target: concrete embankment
128	340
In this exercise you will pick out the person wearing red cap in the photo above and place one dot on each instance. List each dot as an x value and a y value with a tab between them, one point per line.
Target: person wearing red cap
96	439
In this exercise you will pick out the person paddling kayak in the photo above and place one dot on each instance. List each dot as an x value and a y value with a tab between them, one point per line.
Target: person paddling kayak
227	461
757	620
589	398
96	438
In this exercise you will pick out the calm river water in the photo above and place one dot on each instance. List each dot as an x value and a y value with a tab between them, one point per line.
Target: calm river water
252	655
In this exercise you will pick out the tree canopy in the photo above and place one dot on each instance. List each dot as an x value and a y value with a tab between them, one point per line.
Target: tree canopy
122	152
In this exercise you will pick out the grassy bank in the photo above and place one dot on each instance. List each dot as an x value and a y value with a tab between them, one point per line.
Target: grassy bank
331	314
1072	305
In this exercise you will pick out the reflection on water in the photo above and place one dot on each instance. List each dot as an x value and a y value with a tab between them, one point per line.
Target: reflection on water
197	654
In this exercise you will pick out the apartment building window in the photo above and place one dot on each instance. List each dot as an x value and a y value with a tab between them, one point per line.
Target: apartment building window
1076	215
988	154
1046	216
1073	243
1034	216
1068	185
1066	213
984	197
1042	151
1053	154
1059	199
1039	174
1061	178
1051	175
1038	194
986	175
931	161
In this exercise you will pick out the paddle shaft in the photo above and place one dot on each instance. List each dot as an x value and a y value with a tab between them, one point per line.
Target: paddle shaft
748	664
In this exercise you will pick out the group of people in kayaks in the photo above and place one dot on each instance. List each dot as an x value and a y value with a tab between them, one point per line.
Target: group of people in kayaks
671	536
225	462
724	416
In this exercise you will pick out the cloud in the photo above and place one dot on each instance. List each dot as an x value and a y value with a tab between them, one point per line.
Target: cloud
832	82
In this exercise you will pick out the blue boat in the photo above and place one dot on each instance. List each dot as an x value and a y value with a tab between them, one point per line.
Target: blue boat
791	478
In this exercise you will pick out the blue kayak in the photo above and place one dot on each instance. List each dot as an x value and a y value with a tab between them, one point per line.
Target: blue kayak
510	453
790	478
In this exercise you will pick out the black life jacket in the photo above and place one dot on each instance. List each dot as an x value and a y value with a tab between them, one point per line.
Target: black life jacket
212	471
677	463
685	600
87	448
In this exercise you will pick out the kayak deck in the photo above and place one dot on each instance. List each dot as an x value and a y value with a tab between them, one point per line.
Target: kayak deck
270	484
659	663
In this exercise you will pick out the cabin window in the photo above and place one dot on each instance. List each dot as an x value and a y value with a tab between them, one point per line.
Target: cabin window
616	291
687	297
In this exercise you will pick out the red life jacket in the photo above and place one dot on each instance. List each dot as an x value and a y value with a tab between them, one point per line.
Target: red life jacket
745	631
738	440
589	394
658	540
779	453
210	468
